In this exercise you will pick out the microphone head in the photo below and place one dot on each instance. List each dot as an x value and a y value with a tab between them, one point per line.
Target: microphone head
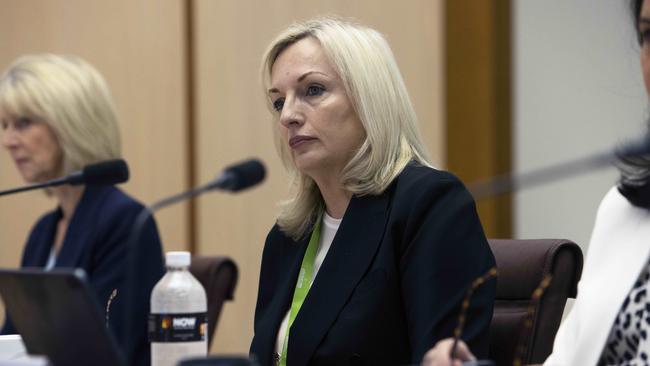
240	176
107	172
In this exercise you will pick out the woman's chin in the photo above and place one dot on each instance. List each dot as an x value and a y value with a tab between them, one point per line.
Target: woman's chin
31	178
305	164
28	178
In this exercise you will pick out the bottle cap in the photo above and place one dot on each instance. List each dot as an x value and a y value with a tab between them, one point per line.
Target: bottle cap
178	259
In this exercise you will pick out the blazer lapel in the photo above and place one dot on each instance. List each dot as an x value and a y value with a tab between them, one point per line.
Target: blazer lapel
81	227
290	257
39	249
350	255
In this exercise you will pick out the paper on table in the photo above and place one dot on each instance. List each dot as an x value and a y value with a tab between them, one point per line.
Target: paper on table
13	353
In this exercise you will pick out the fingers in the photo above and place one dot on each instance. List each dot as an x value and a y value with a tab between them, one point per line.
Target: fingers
440	354
463	352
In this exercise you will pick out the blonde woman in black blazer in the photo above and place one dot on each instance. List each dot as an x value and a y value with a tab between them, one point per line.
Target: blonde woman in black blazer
398	242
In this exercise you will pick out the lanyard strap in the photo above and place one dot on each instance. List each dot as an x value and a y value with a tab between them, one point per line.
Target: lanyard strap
303	284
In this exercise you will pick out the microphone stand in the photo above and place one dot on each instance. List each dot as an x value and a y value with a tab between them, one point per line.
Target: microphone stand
234	178
31	187
506	183
102	173
132	260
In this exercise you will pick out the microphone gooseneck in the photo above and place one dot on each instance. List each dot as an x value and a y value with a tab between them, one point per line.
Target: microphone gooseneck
513	182
234	178
103	173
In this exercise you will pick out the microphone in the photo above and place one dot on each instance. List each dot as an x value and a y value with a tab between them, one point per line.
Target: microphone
107	172
234	178
239	176
513	182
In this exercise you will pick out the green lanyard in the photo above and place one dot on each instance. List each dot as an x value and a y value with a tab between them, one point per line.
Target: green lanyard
302	285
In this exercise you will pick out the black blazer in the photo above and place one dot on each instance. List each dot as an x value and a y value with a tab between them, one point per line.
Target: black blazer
391	284
96	241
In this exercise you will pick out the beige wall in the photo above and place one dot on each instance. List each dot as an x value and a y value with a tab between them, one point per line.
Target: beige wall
139	45
232	121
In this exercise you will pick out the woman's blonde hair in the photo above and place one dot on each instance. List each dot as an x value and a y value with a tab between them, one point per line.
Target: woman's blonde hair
366	65
70	96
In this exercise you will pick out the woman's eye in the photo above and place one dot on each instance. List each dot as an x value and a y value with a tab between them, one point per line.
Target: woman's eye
23	122
314	90
278	104
644	36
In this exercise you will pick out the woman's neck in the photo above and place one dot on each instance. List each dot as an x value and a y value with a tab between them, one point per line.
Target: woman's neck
335	196
68	197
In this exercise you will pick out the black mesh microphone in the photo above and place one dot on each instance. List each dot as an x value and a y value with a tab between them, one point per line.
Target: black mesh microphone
107	172
239	176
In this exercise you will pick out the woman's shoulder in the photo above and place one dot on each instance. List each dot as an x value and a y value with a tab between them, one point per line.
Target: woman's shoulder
108	206
616	209
420	189
112	198
417	172
420	180
615	217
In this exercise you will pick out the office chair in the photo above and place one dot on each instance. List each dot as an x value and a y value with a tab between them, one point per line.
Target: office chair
218	275
522	265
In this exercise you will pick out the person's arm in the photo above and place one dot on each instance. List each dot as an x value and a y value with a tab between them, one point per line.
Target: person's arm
444	251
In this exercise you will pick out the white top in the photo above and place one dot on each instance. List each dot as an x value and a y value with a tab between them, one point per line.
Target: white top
51	259
329	227
618	252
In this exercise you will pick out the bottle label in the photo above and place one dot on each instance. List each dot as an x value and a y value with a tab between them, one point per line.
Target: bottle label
188	327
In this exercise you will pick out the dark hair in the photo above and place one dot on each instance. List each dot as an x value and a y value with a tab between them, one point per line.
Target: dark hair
635	11
635	170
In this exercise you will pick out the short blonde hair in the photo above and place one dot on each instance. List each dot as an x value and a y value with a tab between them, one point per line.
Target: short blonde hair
366	65
70	96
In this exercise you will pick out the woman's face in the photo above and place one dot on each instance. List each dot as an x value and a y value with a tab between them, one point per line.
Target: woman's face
317	121
644	31
33	147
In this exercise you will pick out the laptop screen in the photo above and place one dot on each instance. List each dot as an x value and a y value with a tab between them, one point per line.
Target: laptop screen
57	316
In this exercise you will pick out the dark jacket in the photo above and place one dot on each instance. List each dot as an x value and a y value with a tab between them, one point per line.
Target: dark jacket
391	284
96	241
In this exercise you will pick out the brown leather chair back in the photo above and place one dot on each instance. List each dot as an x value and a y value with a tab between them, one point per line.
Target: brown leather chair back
522	266
218	275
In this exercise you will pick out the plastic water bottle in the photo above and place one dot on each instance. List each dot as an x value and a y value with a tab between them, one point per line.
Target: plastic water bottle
178	326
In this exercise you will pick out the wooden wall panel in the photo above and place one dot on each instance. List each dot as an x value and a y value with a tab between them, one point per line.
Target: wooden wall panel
139	48
478	101
232	122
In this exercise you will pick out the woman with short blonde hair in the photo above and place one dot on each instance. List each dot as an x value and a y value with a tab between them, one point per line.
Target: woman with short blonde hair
85	123
57	116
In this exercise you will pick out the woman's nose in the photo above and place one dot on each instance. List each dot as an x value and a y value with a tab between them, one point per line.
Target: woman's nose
291	114
8	138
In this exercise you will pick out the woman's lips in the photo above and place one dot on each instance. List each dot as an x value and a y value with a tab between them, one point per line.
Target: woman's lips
20	161
297	141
